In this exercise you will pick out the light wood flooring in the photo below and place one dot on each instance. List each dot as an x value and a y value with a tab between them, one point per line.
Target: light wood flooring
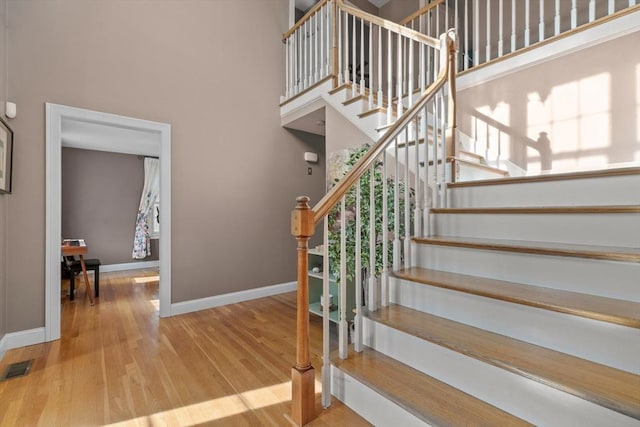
119	364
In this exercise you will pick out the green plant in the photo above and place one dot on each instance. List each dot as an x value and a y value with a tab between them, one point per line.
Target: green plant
365	213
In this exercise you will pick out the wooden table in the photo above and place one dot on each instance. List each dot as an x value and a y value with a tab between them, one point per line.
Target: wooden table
72	247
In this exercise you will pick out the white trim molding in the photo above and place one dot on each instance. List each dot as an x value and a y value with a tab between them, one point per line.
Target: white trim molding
129	266
231	298
128	135
21	339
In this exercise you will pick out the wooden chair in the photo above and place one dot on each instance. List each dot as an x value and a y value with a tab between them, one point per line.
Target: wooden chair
73	267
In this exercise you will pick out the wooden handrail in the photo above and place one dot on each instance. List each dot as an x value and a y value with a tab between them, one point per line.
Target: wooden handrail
421	12
304	19
322	208
389	25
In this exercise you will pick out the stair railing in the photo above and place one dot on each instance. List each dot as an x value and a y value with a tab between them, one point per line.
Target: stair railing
381	61
424	135
489	30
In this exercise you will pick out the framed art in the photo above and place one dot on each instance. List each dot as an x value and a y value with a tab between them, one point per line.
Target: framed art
6	157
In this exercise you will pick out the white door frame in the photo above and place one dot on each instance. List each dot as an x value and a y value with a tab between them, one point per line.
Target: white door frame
157	142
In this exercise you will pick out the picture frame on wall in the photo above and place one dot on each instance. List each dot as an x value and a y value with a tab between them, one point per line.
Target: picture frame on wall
6	157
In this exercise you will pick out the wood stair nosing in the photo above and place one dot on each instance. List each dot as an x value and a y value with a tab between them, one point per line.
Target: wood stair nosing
605	386
606	253
616	311
354	99
627	171
601	209
427	398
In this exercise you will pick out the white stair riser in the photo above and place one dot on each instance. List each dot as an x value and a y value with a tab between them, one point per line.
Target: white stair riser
370	405
574	192
589	229
470	172
608	344
527	399
611	279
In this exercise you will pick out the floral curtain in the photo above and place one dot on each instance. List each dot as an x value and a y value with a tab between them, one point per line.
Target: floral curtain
150	194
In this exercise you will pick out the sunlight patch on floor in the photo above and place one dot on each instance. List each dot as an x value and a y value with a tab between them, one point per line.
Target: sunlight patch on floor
216	409
148	279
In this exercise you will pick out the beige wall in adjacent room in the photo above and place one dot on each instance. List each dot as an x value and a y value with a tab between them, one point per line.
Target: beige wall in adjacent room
214	70
585	104
100	200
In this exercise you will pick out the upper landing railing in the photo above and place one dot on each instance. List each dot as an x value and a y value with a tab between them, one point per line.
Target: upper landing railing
378	59
491	29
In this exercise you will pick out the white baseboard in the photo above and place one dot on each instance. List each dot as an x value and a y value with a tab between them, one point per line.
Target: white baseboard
129	266
21	339
230	298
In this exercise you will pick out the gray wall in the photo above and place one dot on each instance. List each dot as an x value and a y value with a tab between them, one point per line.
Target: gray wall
100	200
4	199
214	70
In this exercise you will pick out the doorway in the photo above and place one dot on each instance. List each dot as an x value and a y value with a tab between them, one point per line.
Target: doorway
79	128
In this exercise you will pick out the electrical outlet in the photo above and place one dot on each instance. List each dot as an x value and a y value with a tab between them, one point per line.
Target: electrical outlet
309	171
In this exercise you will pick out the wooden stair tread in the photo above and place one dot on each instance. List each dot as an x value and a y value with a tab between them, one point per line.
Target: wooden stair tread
612	209
621	312
611	253
425	397
609	387
549	177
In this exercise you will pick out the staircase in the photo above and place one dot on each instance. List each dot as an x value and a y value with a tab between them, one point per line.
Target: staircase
506	300
529	312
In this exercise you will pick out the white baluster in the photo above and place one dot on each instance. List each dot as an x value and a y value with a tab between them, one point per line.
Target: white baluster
574	14
437	140
612	7
410	83
541	24
316	55
389	78
343	330
500	27
417	211
370	67
425	172
347	76
362	88
527	20
399	76
556	19
341	77
407	202
373	285
354	77
384	281
632	3
379	79
396	209
443	130
466	35
305	41
357	339
326	332
476	31
592	10
488	29
513	25
287	88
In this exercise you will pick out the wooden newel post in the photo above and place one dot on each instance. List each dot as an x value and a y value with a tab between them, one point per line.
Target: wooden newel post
302	374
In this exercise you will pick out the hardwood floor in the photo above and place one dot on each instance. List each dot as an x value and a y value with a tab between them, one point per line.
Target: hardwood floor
119	364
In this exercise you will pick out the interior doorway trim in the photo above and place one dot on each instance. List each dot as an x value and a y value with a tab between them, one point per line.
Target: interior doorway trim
155	141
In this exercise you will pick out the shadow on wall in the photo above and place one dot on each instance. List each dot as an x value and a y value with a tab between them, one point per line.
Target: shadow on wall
580	111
